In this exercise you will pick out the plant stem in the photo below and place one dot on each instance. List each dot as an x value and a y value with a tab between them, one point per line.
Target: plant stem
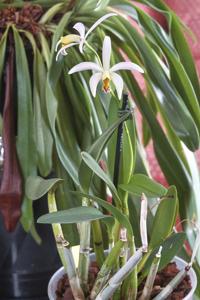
98	243
71	270
130	284
146	294
106	269
115	282
84	254
57	230
171	285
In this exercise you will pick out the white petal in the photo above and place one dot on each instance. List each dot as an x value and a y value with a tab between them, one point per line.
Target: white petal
58	43
126	66
80	28
84	66
62	50
94	80
81	45
118	82
99	21
106	53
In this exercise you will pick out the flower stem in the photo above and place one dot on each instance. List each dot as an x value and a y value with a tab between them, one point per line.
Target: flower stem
94	51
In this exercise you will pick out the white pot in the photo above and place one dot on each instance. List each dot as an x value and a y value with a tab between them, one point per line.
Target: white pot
179	262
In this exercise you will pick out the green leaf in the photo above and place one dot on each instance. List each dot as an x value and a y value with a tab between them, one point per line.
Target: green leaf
111	145
25	139
127	161
93	165
164	219
171	247
178	74
140	183
72	215
184	52
43	137
85	174
52	100
36	186
122	219
175	108
65	200
50	13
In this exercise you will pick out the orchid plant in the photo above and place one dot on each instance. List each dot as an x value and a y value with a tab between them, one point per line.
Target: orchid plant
123	267
59	120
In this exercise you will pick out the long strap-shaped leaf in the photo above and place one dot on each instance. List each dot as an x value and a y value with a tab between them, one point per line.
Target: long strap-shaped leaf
178	74
182	121
25	142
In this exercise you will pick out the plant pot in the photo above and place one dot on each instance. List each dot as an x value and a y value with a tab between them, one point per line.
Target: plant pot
179	262
25	266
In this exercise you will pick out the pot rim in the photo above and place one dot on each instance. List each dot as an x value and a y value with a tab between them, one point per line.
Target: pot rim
61	271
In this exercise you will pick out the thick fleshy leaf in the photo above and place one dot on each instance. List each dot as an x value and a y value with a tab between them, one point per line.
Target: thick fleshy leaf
140	183
36	186
72	215
167	211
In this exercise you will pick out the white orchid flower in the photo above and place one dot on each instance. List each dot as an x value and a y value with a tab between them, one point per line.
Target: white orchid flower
71	40
104	72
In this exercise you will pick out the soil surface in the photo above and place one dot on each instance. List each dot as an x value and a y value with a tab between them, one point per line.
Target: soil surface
162	279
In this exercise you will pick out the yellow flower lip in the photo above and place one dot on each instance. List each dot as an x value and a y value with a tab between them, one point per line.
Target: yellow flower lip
106	85
70	38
